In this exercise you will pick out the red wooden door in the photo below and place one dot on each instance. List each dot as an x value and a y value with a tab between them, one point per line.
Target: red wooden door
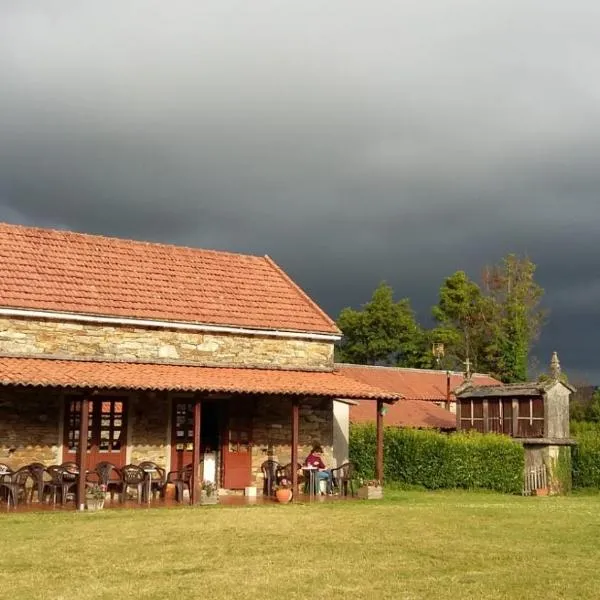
107	430
237	445
182	434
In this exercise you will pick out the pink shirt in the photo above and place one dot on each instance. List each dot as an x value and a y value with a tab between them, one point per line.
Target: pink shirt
313	460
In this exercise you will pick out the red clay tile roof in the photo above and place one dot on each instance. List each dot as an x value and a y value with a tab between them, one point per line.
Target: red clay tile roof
405	413
52	270
140	376
411	384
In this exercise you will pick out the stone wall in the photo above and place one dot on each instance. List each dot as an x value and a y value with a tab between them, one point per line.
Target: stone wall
60	339
557	412
272	432
149	437
29	426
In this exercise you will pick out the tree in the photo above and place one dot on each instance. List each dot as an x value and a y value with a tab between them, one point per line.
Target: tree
516	318
495	325
384	331
461	318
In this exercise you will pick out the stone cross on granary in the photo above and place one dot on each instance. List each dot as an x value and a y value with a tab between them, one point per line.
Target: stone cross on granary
467	369
555	367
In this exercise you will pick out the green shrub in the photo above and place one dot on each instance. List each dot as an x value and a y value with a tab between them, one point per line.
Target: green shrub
586	455
435	460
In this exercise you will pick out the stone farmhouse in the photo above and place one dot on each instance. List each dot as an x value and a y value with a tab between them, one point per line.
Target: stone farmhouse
170	354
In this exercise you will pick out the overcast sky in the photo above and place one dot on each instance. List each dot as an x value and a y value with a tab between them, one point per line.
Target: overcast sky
352	141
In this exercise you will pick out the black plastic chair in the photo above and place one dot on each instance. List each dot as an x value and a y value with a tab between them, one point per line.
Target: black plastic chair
343	478
38	473
15	484
61	481
182	479
132	477
108	475
269	470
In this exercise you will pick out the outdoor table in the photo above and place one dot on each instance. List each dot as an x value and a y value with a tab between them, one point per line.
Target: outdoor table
149	471
312	482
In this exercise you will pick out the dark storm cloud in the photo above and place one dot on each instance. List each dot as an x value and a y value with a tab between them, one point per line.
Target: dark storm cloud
353	142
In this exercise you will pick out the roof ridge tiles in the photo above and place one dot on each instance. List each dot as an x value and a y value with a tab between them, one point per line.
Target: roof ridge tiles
408	369
119	240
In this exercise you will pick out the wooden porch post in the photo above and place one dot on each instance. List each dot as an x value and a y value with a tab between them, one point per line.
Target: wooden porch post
84	413
195	490
295	439
379	461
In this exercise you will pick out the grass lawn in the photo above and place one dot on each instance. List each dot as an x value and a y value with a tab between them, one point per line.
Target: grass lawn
447	545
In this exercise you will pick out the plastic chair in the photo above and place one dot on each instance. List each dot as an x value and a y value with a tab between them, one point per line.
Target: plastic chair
132	476
15	485
269	471
182	479
61	480
38	471
108	475
343	478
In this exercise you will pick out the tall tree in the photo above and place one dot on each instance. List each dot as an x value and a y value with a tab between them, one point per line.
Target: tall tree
461	319
494	325
515	297
384	331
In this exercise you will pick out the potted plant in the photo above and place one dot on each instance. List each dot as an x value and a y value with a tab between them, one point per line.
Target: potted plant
208	493
94	497
283	491
370	489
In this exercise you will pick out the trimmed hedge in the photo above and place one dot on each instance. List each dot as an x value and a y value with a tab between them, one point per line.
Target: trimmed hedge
586	455
435	460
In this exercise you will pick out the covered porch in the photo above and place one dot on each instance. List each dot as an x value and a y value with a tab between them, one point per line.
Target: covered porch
221	424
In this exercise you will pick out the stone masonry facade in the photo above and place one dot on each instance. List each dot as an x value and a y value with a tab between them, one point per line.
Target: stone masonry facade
31	428
60	339
272	432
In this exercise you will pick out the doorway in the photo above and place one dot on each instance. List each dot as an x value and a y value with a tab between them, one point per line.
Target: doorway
237	444
107	430
182	431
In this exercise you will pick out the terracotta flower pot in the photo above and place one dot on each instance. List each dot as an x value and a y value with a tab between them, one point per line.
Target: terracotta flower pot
170	492
541	492
283	495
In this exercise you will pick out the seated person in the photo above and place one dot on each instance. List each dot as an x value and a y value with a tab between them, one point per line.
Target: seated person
314	459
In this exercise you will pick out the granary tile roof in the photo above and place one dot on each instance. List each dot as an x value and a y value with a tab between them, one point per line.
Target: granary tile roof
38	372
471	389
411	384
63	271
405	413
